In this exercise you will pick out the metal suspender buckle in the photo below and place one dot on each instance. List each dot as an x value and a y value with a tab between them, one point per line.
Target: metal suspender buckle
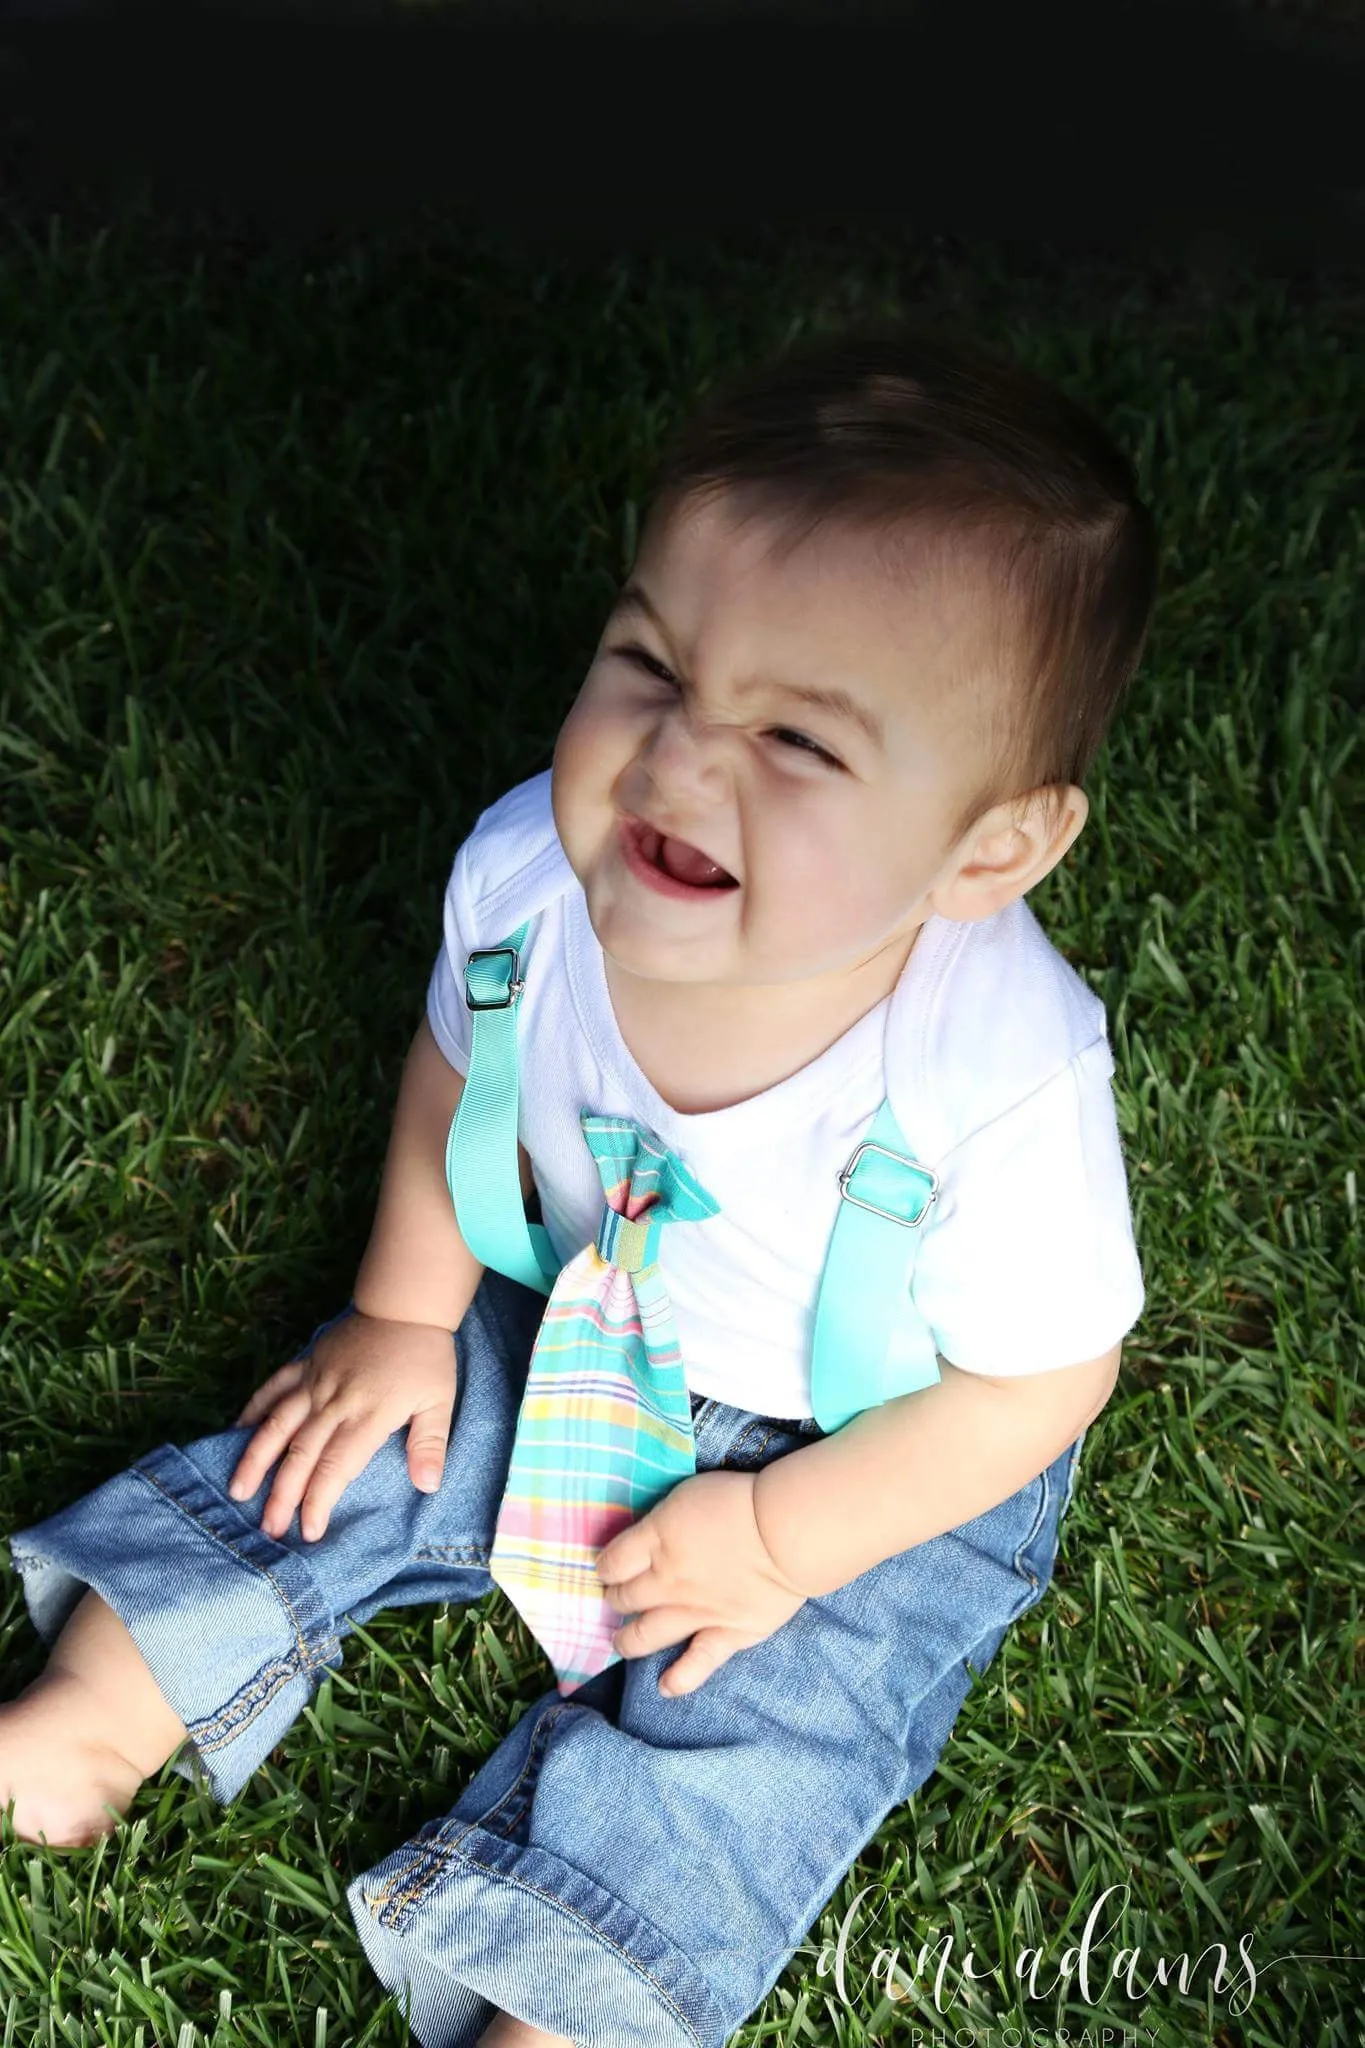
925	1173
514	986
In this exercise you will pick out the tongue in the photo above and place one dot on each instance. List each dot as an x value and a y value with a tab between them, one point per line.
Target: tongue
685	864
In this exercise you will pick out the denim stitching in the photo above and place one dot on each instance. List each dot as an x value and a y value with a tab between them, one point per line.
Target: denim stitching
300	1640
424	1867
1023	1570
742	1439
534	1756
774	1429
248	1706
429	1853
627	1956
460	1553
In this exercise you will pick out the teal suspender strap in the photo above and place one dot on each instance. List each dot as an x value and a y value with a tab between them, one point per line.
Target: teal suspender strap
481	1150
871	1342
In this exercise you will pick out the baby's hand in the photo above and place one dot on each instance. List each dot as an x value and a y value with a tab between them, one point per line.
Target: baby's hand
330	1411
696	1566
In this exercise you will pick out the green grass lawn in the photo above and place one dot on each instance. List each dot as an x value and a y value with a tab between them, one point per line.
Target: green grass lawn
299	569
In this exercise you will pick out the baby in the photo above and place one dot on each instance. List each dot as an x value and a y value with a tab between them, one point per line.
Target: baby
887	597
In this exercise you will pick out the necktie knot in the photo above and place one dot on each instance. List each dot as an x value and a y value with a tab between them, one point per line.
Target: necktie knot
644	1186
630	1243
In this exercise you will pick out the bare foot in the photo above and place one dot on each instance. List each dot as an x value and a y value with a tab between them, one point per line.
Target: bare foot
503	2031
61	1778
85	1734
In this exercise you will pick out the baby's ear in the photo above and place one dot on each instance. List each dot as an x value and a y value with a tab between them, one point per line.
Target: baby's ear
1065	813
1009	851
1054	827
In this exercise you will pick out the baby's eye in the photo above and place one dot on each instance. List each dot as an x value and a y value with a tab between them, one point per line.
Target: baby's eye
782	732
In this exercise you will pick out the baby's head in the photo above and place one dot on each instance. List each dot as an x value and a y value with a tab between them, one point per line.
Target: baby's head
947	549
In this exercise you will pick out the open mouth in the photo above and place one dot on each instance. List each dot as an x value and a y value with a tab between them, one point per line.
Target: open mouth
671	863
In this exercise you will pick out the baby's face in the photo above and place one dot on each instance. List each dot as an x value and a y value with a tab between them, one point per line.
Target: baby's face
835	835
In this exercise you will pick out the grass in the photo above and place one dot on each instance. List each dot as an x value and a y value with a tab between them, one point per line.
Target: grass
301	567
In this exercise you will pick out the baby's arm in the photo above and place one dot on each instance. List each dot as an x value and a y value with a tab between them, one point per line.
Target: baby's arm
924	1463
392	1364
417	1267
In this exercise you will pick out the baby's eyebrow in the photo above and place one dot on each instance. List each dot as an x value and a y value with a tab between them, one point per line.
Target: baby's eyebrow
838	703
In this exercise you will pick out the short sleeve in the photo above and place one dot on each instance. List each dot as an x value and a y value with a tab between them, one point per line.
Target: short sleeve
1030	1262
447	1012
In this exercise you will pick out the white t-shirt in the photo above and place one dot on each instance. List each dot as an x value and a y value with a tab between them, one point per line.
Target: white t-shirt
994	1053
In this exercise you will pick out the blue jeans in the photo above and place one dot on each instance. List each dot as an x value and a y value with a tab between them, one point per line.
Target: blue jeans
625	1869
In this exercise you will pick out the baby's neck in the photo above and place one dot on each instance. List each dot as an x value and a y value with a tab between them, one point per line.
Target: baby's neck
707	1046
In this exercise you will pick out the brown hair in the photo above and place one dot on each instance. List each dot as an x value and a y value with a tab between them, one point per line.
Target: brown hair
911	432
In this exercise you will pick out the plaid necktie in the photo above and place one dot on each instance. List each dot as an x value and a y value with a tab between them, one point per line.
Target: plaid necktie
605	1428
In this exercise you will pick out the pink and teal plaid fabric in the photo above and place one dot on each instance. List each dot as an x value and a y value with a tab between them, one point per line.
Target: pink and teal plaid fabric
605	1428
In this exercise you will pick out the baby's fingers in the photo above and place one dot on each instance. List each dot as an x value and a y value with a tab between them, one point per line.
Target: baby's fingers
269	1440
296	1472
343	1458
269	1391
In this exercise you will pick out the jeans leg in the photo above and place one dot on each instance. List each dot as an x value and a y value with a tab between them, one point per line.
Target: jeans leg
635	1871
237	1626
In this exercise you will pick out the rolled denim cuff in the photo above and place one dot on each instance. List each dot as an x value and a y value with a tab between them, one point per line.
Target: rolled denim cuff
233	1626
